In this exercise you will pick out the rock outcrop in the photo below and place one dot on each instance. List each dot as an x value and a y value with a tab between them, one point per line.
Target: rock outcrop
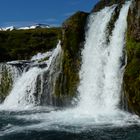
102	3
72	44
132	73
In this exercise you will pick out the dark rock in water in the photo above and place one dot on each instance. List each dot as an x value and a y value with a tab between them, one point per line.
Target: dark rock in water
39	65
112	21
132	72
20	64
43	65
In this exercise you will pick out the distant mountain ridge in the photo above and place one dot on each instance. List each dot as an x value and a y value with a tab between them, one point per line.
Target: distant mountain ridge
10	28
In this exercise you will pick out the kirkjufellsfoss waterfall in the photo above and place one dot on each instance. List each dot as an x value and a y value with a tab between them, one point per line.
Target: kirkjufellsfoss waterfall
100	86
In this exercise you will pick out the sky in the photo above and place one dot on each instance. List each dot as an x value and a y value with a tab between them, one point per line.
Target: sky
28	12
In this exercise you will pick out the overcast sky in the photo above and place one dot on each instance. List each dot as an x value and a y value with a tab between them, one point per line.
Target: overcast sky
52	12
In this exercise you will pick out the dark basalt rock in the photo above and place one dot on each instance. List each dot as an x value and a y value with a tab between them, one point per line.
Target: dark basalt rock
103	3
20	64
132	72
134	20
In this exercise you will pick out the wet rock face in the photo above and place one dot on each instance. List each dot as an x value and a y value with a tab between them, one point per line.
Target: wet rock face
132	72
72	44
134	20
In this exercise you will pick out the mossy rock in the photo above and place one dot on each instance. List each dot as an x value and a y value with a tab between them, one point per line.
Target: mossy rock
132	72
72	44
132	75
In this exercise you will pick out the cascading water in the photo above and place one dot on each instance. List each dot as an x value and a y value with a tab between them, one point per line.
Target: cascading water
94	57
23	93
114	67
101	73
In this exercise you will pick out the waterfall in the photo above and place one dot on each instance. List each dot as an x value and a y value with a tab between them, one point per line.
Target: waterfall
99	90
101	72
25	93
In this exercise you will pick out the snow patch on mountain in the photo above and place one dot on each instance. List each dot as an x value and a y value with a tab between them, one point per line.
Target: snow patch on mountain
10	28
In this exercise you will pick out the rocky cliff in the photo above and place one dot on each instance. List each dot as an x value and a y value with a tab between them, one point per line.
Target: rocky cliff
102	3
132	73
73	30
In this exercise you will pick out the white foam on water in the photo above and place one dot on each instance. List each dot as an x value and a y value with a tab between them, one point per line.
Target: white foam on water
40	56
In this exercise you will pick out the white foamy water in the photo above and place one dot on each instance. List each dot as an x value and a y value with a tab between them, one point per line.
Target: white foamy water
41	56
22	95
94	61
114	69
101	73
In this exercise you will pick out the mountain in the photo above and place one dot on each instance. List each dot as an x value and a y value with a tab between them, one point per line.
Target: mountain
10	28
34	27
132	72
